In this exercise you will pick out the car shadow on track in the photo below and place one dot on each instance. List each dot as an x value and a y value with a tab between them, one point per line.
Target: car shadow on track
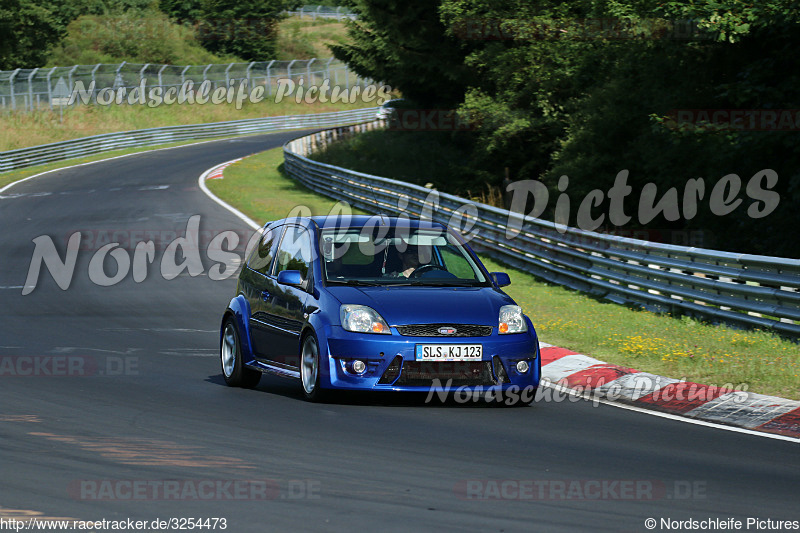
272	385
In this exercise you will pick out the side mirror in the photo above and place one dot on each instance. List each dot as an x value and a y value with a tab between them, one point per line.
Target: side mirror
500	278
292	278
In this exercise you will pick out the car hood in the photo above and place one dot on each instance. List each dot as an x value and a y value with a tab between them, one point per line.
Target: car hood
428	305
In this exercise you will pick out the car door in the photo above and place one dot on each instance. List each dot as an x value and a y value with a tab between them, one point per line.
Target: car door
254	285
284	309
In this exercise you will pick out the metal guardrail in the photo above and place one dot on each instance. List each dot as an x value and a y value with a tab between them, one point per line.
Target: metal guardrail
26	157
739	289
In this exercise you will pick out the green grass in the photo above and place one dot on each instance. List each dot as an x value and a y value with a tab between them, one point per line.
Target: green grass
258	187
20	129
306	38
674	347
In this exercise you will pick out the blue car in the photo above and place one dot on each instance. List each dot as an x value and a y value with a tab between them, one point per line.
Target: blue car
375	304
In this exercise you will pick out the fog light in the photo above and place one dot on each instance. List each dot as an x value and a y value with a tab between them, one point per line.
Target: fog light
359	366
522	366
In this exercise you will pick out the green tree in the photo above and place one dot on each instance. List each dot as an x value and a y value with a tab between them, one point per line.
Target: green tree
244	28
404	43
29	29
137	36
558	93
32	28
182	10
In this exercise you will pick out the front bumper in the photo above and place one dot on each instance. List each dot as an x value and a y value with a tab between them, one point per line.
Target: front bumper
391	365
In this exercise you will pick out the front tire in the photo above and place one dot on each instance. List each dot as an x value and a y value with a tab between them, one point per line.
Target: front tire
310	370
233	370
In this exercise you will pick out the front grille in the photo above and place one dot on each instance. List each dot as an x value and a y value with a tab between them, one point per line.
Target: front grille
470	373
432	330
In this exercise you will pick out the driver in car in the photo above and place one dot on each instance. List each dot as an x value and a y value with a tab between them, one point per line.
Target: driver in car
409	261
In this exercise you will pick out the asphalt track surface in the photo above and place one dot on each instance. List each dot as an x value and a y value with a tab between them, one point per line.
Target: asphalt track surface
148	403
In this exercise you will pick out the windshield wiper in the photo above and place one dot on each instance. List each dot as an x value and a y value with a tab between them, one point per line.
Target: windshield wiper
355	282
434	283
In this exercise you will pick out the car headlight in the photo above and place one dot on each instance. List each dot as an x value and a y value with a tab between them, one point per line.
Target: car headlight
512	320
362	319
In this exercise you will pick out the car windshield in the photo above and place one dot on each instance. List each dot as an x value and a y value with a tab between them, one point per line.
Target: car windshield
399	256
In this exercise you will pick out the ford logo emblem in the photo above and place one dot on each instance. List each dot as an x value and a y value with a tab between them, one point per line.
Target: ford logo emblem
447	331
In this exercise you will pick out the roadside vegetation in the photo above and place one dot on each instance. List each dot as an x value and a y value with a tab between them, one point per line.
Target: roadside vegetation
674	347
135	36
305	38
176	32
20	129
138	32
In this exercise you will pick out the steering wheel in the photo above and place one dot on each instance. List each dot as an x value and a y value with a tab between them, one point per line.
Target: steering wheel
425	268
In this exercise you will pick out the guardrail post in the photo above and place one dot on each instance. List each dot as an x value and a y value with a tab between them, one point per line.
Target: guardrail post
118	81
308	70
30	86
227	75
11	87
69	76
206	70
160	80
247	72
50	88
97	66
141	72
289	68
319	9
183	72
328	72
269	78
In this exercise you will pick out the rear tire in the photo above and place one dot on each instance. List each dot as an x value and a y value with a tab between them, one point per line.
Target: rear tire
310	370
233	370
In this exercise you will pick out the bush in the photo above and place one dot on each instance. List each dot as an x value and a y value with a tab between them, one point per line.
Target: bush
134	36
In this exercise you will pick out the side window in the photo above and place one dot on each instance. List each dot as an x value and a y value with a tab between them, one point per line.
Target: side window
261	257
294	252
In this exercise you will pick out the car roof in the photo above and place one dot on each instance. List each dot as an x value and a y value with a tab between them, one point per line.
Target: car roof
356	221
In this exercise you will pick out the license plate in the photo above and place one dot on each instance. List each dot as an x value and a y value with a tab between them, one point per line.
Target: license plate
449	352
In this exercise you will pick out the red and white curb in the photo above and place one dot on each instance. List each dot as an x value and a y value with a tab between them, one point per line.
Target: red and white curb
605	381
218	171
